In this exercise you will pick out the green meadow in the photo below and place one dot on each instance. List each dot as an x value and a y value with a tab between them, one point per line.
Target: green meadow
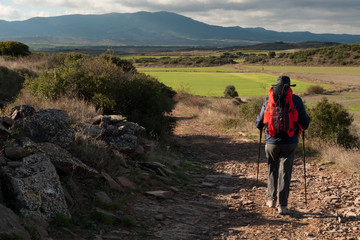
211	81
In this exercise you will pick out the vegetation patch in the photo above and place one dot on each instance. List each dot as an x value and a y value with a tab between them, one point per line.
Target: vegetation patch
213	83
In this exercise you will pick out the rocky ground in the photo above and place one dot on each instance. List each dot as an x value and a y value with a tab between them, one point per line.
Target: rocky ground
226	203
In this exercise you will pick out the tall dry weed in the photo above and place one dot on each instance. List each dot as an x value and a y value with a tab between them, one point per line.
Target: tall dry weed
346	158
33	63
78	110
219	112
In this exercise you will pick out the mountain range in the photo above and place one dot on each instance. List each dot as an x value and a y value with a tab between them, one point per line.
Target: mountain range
146	29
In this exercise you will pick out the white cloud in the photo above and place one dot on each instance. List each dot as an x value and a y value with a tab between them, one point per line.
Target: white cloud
8	12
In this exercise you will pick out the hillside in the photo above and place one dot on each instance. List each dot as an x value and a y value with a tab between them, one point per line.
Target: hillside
145	28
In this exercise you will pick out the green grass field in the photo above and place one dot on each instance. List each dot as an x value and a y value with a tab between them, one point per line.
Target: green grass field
213	80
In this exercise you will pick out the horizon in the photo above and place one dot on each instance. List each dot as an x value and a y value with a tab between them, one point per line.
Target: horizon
326	16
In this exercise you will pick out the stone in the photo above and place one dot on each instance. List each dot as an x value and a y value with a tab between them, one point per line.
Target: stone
159	217
47	125
107	213
123	143
159	194
131	128
16	152
112	183
207	184
126	183
4	132
89	130
64	161
34	189
14	164
357	201
21	111
10	225
103	197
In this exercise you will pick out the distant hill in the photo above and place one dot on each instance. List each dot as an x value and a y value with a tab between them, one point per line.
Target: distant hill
146	29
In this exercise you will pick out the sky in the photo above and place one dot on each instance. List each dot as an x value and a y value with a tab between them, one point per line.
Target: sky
317	16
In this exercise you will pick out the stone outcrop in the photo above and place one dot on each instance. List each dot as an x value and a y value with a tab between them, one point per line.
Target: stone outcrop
117	132
34	188
46	125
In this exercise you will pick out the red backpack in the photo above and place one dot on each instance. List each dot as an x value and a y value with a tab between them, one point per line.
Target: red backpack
281	117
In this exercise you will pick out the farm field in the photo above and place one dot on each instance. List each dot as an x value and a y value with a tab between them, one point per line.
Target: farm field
211	81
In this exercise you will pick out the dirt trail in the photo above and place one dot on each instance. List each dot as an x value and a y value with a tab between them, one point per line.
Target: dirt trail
227	204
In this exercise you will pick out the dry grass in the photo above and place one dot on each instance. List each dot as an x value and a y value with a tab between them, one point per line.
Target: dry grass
345	158
78	110
33	63
219	112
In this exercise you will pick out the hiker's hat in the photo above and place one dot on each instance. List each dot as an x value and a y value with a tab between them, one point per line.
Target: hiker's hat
283	80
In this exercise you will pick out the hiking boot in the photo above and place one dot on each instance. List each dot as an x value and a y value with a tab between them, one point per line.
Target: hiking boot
270	203
283	210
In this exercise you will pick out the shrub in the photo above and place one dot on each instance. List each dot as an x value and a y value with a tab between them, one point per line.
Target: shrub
100	81
315	89
14	48
271	54
331	122
230	92
251	109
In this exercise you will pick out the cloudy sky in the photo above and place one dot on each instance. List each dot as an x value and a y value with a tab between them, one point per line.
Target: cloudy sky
317	16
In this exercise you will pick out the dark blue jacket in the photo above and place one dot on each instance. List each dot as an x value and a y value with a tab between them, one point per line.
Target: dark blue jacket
303	120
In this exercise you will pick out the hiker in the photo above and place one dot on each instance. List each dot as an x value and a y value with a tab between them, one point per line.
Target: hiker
284	117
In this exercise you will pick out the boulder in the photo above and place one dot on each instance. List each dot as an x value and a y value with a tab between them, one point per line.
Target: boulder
10	226
47	125
16	152
63	160
89	130
131	128
34	189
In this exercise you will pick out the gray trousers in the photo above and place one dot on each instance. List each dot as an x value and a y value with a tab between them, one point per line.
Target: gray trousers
280	159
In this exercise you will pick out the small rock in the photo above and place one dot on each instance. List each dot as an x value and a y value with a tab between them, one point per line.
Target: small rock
103	197
112	183
159	193
126	183
159	217
14	164
16	152
207	184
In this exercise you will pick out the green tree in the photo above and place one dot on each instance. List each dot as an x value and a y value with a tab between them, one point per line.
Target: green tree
14	48
331	122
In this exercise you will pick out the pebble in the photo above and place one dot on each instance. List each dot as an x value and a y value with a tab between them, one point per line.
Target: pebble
159	217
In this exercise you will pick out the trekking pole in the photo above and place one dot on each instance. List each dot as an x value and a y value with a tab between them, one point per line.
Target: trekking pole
258	162
303	136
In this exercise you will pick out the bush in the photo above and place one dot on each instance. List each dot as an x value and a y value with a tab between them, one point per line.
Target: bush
101	82
251	109
315	89
230	92
331	122
14	48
